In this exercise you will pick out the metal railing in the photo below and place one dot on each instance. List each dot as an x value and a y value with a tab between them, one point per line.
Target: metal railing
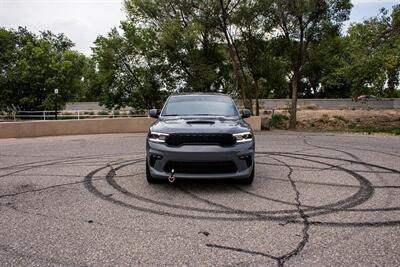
68	115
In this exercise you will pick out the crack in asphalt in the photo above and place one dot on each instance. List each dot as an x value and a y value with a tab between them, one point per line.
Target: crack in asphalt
309	168
281	260
306	224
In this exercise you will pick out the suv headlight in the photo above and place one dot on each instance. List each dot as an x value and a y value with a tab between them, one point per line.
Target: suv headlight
158	137
243	137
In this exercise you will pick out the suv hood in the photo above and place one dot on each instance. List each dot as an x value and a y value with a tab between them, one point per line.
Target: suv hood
197	124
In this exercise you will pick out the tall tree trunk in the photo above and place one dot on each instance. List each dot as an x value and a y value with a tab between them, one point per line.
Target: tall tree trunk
236	68
293	108
257	96
233	54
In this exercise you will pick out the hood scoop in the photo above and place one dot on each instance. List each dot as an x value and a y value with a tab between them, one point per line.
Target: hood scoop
200	122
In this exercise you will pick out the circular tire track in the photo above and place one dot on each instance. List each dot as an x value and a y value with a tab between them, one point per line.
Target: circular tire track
365	192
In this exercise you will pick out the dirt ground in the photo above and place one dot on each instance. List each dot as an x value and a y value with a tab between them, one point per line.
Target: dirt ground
345	120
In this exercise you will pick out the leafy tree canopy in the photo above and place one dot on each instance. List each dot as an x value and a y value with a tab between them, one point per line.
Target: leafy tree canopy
32	66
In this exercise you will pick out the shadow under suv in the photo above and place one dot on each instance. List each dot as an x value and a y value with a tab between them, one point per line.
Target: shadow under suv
200	136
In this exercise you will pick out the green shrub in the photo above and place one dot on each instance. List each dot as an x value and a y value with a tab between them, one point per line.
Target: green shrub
352	125
396	131
340	118
278	121
103	113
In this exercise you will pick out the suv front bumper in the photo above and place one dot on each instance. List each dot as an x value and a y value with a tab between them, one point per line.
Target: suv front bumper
200	154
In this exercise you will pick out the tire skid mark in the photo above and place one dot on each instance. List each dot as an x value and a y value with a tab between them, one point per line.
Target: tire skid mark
48	187
44	188
359	198
378	175
364	194
332	158
58	158
48	163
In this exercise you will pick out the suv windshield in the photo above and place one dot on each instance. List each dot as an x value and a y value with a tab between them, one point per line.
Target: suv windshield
199	105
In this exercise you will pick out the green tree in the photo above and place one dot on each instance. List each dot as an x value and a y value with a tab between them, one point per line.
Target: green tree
186	38
129	69
32	66
322	73
7	57
300	23
373	51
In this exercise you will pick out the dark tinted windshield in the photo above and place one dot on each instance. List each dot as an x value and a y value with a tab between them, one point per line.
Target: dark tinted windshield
199	105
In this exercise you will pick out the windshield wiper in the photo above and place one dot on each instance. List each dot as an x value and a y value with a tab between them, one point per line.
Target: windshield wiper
195	115
205	115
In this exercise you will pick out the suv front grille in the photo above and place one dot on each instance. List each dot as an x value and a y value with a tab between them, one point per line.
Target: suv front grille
200	139
201	167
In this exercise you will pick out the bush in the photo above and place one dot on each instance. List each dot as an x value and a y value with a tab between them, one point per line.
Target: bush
396	131
309	107
103	113
352	125
278	121
138	112
340	118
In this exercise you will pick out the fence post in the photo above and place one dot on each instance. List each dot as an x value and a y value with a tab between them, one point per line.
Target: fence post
78	115
14	113
113	113
44	115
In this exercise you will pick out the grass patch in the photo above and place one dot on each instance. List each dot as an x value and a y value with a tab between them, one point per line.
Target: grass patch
371	130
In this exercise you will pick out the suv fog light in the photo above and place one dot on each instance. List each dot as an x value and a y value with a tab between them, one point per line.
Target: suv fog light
247	158
154	158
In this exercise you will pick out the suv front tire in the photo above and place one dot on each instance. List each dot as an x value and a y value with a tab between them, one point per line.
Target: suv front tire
249	180
151	179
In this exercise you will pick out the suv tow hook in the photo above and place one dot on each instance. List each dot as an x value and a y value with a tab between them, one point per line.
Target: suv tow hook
172	178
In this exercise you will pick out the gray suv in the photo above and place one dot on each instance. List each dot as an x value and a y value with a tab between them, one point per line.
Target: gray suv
200	136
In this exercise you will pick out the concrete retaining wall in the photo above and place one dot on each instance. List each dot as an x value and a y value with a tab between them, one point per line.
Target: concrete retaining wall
90	126
333	103
396	103
385	103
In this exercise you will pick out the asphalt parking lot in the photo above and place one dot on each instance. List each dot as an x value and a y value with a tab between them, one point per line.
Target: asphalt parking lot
317	200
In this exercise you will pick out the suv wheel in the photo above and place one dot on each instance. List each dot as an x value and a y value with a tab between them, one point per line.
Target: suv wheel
151	179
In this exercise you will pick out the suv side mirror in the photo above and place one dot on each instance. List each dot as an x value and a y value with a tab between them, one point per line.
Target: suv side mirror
153	113
246	113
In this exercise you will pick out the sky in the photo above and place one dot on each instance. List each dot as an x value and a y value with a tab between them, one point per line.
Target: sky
83	20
